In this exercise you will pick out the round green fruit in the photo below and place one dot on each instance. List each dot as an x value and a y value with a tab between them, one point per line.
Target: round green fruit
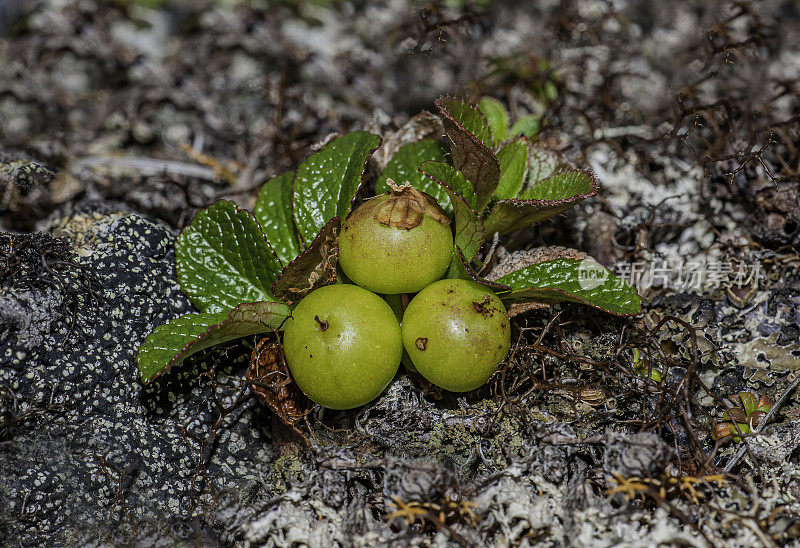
342	345
456	332
398	242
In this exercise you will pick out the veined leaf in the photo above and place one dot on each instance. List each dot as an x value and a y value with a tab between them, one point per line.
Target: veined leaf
583	281
544	162
469	229
471	143
542	201
404	167
273	211
444	176
559	186
224	260
513	160
326	184
496	116
468	117
169	344
313	268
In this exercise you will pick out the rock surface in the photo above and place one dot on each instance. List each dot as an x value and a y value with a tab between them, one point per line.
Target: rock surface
102	444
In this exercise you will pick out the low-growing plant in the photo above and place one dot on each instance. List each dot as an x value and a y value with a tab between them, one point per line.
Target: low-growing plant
742	419
641	367
246	272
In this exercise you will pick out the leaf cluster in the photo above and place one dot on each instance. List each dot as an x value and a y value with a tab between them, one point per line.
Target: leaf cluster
245	271
742	419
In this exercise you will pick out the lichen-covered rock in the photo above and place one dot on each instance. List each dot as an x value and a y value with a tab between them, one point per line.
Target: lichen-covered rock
30	314
89	442
642	455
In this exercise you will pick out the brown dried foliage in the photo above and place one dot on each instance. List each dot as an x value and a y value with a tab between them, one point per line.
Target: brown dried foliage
610	389
269	378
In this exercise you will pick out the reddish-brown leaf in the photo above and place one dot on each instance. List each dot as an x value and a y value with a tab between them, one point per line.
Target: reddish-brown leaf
270	379
469	151
313	268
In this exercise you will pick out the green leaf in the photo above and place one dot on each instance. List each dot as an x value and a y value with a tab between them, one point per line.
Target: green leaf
544	162
170	344
736	414
550	91
461	269
560	186
273	211
404	167
528	126
327	182
513	160
496	116
469	229
470	148
749	402
576	280
313	268
224	260
542	201
445	176
468	117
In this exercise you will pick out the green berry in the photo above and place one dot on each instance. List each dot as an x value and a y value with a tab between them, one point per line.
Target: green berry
342	345
397	242
456	332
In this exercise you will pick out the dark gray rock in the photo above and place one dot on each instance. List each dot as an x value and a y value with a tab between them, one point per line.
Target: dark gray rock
416	479
31	314
91	445
640	455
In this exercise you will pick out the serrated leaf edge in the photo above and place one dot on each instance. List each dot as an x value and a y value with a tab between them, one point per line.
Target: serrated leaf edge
582	301
473	104
448	187
177	357
593	192
572	296
474	137
355	194
178	274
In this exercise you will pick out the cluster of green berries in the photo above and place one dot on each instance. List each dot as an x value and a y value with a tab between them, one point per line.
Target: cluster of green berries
344	343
